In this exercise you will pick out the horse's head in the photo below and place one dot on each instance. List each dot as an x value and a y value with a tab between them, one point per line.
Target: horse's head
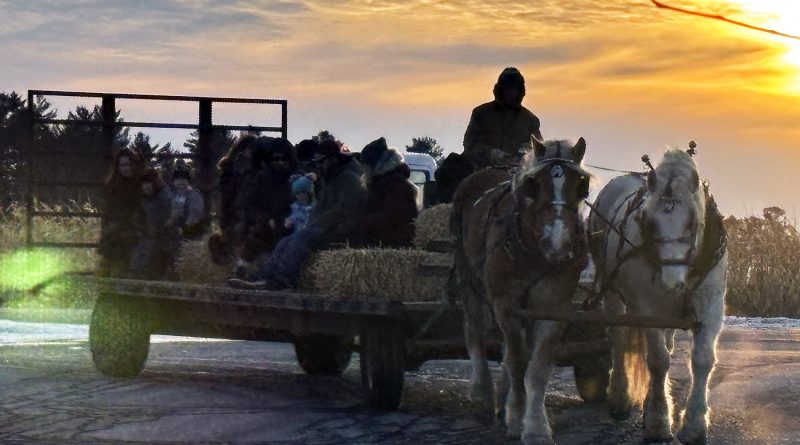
549	190
673	217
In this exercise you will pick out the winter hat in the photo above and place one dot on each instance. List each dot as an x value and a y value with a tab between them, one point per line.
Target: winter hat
328	148
306	149
302	185
373	152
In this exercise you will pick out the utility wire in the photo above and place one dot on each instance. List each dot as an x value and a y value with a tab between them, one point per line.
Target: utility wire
724	19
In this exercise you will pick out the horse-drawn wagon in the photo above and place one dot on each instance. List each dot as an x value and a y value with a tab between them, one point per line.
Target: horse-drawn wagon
391	335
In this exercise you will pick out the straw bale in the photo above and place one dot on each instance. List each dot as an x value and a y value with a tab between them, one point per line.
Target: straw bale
376	273
433	224
193	264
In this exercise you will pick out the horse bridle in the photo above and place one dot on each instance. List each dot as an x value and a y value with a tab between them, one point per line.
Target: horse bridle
690	238
542	166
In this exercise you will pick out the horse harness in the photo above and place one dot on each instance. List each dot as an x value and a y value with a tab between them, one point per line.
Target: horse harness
514	240
715	241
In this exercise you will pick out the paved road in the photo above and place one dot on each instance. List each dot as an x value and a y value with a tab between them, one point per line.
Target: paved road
242	392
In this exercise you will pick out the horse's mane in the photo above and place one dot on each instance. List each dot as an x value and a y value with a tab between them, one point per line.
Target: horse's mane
677	159
554	149
677	164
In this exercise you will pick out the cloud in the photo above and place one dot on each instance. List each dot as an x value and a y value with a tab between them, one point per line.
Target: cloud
624	73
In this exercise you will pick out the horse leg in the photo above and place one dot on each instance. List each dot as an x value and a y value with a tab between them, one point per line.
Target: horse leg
502	394
695	419
619	401
481	390
658	403
514	363
537	429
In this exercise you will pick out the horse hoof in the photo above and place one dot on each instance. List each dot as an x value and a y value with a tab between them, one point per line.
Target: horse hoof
537	439
513	429
692	437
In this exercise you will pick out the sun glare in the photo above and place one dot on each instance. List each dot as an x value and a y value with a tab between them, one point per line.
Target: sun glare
782	16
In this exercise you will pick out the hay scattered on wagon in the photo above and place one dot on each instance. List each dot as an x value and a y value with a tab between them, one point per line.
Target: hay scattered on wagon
376	273
193	264
433	224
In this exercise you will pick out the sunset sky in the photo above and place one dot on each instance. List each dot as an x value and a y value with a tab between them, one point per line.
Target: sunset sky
627	76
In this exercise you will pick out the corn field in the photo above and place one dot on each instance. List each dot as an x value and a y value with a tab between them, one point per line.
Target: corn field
763	266
763	261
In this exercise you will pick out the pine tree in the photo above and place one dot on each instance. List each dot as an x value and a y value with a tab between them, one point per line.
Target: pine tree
427	145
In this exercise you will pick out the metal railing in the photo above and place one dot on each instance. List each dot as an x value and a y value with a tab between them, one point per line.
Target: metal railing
204	157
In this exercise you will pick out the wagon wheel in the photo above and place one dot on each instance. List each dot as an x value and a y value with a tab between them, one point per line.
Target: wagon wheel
591	378
323	354
382	354
119	336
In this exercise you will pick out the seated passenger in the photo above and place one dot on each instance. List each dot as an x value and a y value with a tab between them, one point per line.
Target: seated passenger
303	193
264	200
391	204
153	257
122	213
233	168
343	196
190	205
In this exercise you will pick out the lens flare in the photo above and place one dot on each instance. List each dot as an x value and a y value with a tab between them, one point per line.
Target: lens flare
23	269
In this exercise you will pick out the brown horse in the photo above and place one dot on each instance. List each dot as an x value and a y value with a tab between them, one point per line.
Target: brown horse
520	245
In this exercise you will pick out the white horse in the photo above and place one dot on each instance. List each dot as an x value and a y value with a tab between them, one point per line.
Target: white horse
660	249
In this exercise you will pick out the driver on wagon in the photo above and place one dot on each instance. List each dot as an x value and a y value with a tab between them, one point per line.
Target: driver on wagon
499	132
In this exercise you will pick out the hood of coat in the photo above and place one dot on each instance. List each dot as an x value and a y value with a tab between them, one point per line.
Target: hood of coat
389	161
510	77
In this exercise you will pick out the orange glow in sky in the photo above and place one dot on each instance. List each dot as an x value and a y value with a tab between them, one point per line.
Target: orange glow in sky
627	76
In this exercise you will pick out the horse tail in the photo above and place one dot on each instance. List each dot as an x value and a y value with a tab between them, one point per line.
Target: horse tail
635	365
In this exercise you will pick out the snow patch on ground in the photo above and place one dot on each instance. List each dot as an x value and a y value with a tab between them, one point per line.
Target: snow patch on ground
23	333
762	323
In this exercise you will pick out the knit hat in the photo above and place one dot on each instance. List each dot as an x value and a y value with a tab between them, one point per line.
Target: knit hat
302	185
329	148
373	152
306	149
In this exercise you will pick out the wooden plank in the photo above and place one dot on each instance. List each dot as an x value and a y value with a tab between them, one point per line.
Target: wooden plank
255	298
593	317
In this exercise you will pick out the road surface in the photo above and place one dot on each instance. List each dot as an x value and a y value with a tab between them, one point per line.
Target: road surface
243	392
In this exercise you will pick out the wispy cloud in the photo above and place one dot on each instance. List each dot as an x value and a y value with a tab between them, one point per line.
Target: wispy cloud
625	73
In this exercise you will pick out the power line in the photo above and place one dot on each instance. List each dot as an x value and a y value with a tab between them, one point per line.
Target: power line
724	19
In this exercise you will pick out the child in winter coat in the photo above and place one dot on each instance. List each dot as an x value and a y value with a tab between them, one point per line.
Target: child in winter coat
303	193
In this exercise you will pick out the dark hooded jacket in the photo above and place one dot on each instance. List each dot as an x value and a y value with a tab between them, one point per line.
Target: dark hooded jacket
388	220
123	218
264	200
342	196
233	169
498	125
159	239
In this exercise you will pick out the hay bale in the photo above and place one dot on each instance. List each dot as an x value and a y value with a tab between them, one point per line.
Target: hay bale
433	224
376	273
193	264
